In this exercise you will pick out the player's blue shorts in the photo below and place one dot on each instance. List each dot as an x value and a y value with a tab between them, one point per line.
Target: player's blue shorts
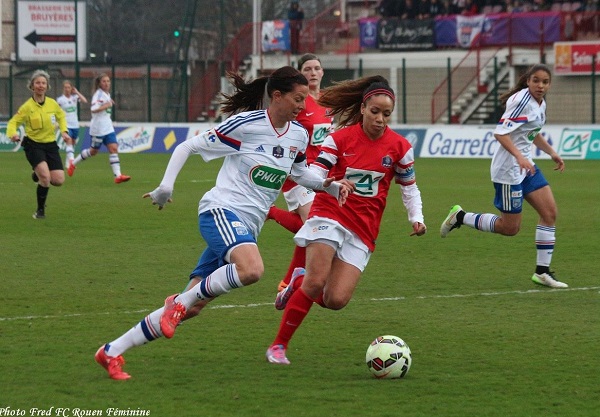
509	198
73	133
222	230
98	141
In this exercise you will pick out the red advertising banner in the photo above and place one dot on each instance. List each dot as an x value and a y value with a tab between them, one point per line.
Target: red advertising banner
575	58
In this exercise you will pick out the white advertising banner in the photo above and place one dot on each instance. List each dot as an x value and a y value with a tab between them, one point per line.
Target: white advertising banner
49	31
443	141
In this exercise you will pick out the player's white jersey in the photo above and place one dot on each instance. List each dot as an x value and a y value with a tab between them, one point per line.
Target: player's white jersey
69	105
257	160
101	123
523	119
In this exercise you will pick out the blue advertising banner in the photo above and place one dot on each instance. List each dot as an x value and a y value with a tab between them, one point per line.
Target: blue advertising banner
275	35
404	35
494	30
368	32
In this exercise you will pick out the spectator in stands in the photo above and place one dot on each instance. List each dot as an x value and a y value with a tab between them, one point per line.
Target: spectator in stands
446	8
430	9
470	9
458	6
389	8
409	10
540	6
295	16
590	6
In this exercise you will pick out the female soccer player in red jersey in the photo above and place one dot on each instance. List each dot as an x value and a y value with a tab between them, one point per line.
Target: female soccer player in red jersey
319	123
340	240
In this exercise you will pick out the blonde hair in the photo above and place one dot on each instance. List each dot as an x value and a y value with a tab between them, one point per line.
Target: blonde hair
36	74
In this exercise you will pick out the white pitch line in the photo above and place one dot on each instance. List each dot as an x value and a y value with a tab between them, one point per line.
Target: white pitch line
254	305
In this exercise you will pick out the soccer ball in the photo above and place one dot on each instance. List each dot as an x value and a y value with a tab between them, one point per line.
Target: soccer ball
388	357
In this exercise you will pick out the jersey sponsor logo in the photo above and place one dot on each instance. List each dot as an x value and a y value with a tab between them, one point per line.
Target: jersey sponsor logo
278	152
268	177
259	149
347	154
310	114
319	228
210	136
320	132
367	182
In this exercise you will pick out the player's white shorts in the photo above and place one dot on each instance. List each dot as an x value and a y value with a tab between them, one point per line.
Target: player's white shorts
349	248
298	196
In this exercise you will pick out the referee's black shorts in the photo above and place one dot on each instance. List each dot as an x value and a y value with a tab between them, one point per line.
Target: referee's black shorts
38	152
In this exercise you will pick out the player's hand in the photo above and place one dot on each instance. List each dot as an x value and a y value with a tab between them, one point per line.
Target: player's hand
160	196
15	138
346	188
560	164
419	229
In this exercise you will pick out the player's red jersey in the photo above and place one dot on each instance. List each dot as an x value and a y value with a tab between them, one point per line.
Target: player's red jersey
371	165
319	124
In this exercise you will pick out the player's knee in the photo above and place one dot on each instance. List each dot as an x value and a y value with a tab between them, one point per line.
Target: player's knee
335	301
250	274
511	230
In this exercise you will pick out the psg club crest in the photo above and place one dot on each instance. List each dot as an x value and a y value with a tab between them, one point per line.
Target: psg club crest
278	152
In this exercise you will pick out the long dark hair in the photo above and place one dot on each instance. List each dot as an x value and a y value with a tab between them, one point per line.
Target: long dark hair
522	82
249	95
345	98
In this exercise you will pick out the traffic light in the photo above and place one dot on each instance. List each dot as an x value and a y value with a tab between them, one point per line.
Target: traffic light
177	33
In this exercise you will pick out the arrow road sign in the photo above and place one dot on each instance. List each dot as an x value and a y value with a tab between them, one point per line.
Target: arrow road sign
34	38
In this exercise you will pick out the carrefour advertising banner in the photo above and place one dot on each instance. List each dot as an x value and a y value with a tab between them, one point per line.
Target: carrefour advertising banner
444	141
428	141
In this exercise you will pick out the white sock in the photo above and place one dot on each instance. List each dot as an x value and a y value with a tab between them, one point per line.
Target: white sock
219	282
485	222
544	243
85	154
115	164
70	153
145	331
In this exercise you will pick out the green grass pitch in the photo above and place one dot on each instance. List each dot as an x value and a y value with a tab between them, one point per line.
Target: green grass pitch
485	340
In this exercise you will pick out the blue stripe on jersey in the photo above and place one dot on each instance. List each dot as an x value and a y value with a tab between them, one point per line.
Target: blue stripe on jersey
236	122
521	105
231	142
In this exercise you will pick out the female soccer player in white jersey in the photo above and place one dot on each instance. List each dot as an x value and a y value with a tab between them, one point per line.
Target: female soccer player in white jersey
319	123
69	102
102	130
515	175
260	149
339	241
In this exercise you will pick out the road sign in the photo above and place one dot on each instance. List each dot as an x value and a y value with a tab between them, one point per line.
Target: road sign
46	31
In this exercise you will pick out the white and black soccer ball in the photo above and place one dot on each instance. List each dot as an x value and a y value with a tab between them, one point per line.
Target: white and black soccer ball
388	357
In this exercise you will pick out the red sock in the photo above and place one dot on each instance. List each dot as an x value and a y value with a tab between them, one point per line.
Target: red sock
296	309
298	261
319	300
288	219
